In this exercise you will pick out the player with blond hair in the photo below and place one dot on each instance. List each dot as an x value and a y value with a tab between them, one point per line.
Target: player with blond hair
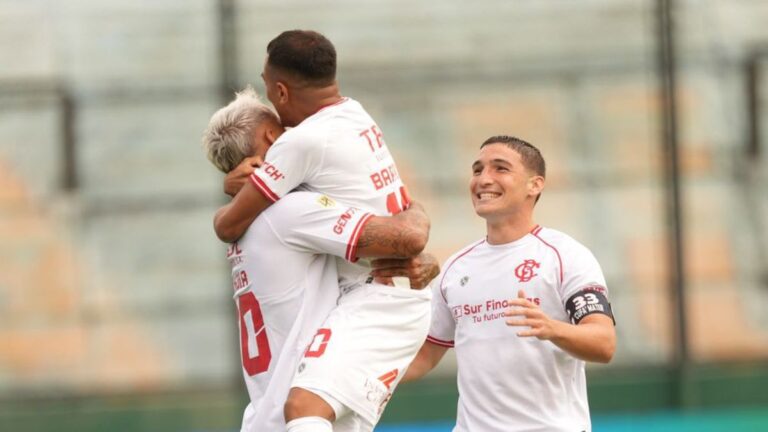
284	284
334	147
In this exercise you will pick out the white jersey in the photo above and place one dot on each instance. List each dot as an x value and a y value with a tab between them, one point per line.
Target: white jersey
284	289
508	382
338	151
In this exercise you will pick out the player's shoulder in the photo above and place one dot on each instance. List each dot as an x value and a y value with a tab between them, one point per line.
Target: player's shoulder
302	136
339	115
560	241
464	252
301	202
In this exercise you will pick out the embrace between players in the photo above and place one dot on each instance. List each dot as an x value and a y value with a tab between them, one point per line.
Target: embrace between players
329	274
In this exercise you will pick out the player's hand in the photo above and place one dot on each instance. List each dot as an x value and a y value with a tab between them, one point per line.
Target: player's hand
530	315
420	270
236	178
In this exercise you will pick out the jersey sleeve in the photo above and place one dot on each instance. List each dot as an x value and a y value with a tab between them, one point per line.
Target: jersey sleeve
313	222
581	271
293	159
443	327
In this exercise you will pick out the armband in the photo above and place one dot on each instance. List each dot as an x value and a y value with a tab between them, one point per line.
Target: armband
586	302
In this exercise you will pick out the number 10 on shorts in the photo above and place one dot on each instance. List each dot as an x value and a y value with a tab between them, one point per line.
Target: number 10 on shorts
317	347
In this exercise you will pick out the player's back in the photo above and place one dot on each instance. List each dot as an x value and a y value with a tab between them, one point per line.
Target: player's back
357	167
278	314
339	151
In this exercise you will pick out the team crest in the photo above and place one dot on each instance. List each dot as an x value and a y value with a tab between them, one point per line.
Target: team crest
525	271
326	201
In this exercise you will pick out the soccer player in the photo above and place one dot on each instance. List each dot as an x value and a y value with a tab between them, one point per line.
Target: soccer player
524	307
284	284
334	147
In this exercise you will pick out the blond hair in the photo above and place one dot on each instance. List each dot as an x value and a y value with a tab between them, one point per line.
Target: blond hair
229	136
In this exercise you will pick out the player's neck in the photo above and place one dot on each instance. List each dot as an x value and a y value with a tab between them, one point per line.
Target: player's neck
509	229
315	99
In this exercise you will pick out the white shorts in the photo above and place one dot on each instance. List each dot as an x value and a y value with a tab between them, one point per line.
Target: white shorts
365	345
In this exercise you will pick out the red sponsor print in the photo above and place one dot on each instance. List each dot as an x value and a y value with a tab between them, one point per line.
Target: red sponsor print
272	171
341	222
526	271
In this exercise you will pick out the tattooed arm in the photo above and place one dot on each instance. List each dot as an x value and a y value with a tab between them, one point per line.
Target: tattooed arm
403	235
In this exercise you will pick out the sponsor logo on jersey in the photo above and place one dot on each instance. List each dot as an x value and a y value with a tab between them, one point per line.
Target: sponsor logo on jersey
272	171
491	310
326	201
526	271
458	312
464	280
342	221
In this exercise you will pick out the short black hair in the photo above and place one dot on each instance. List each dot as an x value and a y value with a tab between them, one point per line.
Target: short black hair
531	156
305	54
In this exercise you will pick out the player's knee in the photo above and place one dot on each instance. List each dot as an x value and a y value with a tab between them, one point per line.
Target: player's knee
304	403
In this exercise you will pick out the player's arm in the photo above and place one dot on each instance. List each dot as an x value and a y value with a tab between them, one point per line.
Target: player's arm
592	338
403	235
427	358
240	175
233	219
420	270
289	164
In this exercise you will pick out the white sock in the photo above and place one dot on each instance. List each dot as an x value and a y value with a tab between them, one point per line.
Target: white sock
309	424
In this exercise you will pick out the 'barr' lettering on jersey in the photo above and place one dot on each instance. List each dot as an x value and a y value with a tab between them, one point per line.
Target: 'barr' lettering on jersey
508	382
284	287
340	152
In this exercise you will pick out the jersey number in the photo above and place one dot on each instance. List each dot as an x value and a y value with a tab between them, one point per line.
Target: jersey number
586	299
319	343
393	206
254	345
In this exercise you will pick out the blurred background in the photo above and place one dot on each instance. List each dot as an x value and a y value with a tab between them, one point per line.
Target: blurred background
115	299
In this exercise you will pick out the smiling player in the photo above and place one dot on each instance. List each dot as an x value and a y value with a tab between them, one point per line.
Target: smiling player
524	308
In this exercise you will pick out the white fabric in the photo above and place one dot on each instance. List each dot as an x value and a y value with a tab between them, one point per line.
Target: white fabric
309	424
339	151
375	332
507	382
346	419
277	265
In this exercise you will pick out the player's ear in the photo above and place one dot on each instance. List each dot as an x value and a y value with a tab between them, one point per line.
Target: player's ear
282	92
270	135
535	185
